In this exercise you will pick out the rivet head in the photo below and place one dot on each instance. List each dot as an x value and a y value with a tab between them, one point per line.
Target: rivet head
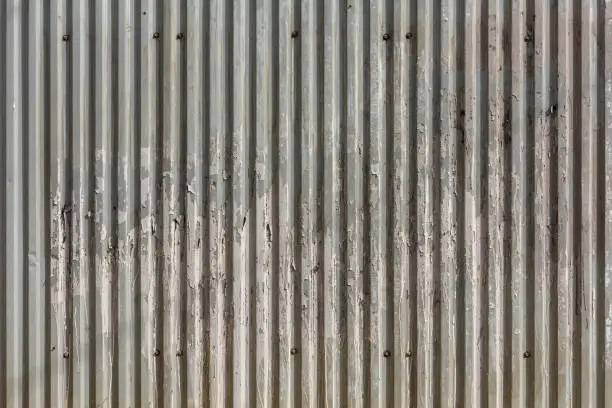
156	35
294	351
409	36
386	36
180	36
179	353
66	37
526	354
387	354
66	354
156	352
408	354
294	34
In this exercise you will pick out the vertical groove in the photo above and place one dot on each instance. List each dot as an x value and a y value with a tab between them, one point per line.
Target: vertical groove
91	206
483	113
389	181
507	129
182	186
599	270
137	202
274	176
553	316
576	207
413	215
298	211
3	199
530	199
229	214
25	184
206	199
460	203
26	250
367	213
252	191
436	196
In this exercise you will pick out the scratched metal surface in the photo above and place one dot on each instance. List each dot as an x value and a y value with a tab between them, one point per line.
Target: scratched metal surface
311	203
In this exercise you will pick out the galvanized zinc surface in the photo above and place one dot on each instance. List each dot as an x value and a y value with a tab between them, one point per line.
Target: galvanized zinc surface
346	203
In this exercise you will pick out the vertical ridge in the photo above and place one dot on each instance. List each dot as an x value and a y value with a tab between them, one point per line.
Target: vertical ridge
218	180
286	226
449	368
426	357
113	112
332	207
16	209
355	85
195	202
399	326
61	210
308	268
567	262
126	222
36	262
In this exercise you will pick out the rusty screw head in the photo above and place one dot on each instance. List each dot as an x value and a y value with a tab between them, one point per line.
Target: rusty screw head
66	37
294	351
526	354
409	36
156	352
294	34
155	35
180	36
387	353
66	354
386	36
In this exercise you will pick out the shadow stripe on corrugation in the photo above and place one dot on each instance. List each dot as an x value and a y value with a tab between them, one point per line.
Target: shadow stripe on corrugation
306	203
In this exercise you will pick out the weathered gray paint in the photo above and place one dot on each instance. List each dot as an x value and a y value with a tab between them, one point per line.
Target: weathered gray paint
306	203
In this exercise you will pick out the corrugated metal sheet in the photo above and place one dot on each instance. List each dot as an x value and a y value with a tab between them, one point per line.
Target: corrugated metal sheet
306	203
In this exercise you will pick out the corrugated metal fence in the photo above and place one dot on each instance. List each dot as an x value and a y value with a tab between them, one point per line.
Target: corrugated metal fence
306	203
